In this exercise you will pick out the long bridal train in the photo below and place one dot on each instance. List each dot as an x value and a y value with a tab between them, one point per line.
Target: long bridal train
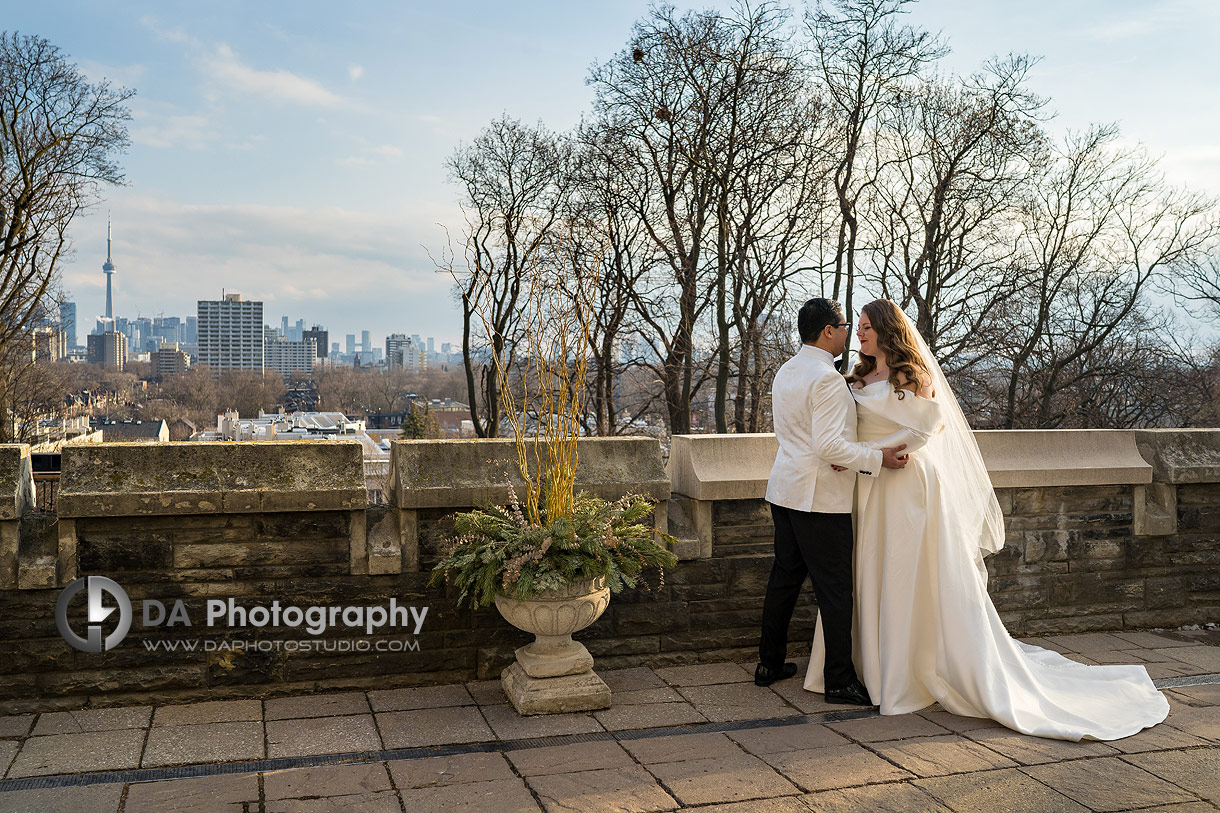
925	628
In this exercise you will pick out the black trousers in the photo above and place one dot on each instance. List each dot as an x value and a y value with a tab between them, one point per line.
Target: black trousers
818	546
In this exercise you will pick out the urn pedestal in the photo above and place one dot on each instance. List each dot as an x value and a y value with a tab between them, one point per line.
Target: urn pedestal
554	673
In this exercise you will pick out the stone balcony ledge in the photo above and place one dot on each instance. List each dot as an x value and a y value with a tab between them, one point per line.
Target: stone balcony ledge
134	479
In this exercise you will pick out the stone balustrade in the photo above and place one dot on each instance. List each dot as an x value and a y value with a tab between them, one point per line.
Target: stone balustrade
1106	530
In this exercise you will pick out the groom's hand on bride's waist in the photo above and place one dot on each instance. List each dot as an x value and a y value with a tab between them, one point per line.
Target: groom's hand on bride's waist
892	459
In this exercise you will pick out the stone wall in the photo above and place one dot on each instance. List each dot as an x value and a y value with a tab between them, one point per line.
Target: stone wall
1106	531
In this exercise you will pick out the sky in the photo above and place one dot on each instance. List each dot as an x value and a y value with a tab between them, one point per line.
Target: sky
293	152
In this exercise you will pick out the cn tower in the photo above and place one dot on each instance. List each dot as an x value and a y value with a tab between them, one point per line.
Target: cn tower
109	268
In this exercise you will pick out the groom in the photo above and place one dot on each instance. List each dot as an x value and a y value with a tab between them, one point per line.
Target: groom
815	424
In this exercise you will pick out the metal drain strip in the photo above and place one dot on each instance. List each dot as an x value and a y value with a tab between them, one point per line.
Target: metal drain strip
355	757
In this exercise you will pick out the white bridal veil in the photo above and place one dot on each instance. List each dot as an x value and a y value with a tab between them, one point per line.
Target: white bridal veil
960	464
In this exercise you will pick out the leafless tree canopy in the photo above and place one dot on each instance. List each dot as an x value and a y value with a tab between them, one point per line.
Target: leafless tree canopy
59	138
736	163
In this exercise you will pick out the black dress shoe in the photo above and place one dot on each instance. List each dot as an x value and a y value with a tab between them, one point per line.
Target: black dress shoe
853	693
765	676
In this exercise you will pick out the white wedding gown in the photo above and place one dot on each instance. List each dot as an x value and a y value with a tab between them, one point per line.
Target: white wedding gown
925	629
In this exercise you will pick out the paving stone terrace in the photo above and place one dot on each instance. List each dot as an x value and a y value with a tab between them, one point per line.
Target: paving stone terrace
700	737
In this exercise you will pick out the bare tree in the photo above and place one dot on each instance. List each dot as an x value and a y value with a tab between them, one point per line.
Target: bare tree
59	135
1101	232
864	57
515	181
650	96
957	162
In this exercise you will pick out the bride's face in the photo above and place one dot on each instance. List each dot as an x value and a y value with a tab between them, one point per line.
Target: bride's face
866	336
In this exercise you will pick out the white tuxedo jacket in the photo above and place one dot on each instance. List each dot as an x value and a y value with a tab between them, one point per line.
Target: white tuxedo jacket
815	424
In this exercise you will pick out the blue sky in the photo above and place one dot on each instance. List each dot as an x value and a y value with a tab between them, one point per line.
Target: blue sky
293	151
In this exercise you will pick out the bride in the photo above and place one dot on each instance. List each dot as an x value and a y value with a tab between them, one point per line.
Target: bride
925	628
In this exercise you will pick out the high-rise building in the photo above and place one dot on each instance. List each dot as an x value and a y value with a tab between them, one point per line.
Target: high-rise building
334	348
67	322
107	349
320	337
287	357
351	344
431	345
366	343
169	360
191	336
50	344
395	345
403	352
109	269
231	334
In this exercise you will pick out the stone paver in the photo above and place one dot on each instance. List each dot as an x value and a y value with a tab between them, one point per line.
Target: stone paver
1204	658
384	802
1201	722
737	701
888	798
316	705
680	747
629	680
16	725
648	715
1107	784
79	753
955	722
1196	770
629	789
507	724
202	794
326	780
453	770
487	692
721	779
704	674
581	756
1003	791
928	761
213	711
322	735
939	756
1157	738
422	697
777	739
410	729
1028	750
89	799
835	766
212	742
897	727
1198	695
495	796
75	722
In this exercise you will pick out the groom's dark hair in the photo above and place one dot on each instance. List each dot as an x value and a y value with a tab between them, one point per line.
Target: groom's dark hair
814	317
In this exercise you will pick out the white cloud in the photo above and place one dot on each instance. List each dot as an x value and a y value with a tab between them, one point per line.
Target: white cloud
354	72
226	67
387	149
151	128
342	268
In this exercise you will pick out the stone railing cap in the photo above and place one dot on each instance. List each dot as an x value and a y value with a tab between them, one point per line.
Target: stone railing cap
722	467
472	473
736	467
133	479
1181	455
16	481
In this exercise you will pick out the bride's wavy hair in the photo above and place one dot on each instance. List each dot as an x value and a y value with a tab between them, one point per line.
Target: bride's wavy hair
895	337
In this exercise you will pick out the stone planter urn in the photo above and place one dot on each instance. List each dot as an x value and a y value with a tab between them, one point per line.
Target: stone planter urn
554	673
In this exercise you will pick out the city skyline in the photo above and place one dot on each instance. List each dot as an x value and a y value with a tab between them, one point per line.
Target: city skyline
299	159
